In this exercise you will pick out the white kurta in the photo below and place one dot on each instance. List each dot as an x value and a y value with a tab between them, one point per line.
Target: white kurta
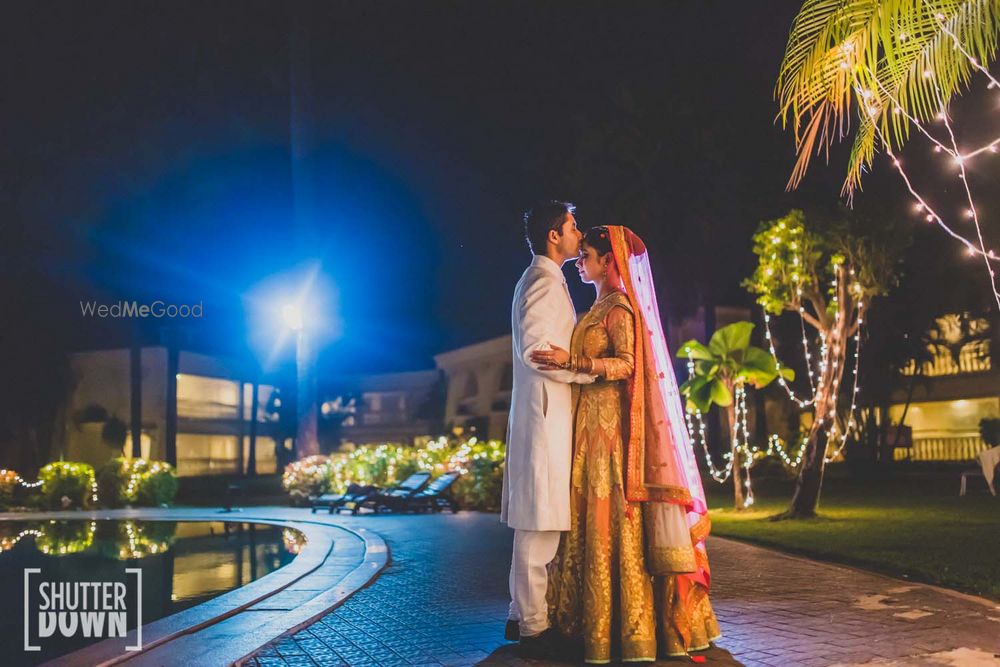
536	481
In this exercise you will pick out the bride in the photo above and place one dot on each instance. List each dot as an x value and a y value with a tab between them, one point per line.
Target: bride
631	575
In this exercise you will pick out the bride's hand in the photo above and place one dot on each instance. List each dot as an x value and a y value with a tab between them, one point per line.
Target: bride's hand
551	360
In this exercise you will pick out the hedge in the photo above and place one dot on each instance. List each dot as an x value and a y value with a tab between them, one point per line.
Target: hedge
480	462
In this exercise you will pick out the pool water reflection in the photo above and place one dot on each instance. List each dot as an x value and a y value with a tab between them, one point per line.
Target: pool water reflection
183	564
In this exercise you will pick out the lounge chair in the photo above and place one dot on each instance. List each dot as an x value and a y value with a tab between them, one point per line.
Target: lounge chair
355	493
435	496
382	499
432	498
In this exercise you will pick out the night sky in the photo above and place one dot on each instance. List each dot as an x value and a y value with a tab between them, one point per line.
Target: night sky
191	151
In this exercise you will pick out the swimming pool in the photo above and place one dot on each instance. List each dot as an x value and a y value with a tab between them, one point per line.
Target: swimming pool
182	564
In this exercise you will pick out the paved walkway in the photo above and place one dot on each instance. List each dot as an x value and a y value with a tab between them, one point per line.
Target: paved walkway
443	601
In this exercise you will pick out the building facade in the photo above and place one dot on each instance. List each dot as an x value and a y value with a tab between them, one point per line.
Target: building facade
386	408
479	381
952	392
211	405
480	376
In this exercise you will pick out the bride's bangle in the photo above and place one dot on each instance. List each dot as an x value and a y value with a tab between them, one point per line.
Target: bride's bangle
582	364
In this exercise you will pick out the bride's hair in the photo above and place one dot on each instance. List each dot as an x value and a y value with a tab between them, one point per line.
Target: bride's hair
599	239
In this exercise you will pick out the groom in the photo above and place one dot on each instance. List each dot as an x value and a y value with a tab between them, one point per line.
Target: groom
536	481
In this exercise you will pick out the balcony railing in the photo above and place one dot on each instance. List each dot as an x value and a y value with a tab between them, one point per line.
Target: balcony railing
964	448
385	418
973	358
198	409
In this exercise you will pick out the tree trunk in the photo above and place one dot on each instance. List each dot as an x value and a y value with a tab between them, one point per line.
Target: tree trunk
889	449
810	479
738	497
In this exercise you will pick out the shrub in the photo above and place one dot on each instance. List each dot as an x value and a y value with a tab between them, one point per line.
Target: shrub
130	540
61	538
111	483
481	465
307	477
157	484
480	489
67	484
8	485
136	482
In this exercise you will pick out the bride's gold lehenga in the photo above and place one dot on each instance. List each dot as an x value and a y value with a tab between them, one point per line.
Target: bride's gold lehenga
599	586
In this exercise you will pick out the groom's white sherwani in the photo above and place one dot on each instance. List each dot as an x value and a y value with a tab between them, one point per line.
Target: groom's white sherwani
536	481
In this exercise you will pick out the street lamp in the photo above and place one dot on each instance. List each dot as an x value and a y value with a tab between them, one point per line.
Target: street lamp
306	434
291	313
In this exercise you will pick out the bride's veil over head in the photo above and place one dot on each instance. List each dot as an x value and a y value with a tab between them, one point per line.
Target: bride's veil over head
660	462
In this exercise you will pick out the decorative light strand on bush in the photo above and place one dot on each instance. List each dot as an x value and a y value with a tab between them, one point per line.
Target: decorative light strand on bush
20	480
698	436
8	543
719	476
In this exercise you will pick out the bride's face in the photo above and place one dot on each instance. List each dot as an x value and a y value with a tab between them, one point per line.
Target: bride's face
591	266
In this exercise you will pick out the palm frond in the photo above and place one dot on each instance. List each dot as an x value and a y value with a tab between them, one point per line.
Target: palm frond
867	57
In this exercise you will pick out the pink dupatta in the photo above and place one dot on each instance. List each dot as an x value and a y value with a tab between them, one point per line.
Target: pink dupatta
660	464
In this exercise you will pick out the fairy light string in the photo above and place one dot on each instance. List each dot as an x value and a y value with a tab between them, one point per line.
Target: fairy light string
741	445
872	104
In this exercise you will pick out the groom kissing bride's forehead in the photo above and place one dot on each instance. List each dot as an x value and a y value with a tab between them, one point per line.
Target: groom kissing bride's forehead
550	229
609	521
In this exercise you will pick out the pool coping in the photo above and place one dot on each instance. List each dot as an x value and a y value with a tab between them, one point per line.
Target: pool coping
335	562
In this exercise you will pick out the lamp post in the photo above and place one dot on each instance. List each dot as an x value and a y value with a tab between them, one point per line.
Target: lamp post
306	434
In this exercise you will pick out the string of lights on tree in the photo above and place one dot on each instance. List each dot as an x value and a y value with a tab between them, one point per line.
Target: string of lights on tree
740	431
873	103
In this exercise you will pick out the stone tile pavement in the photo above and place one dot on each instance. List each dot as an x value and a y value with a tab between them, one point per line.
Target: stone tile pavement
443	601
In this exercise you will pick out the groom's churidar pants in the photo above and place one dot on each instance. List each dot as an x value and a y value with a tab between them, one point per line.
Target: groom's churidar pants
533	551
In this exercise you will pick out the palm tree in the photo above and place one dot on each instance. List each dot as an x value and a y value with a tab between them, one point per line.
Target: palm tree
720	369
892	60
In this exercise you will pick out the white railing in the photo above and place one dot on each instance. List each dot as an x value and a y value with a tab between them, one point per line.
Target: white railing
973	358
964	448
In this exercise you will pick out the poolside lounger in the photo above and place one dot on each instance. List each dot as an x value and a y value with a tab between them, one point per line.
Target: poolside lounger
435	496
388	498
431	498
337	501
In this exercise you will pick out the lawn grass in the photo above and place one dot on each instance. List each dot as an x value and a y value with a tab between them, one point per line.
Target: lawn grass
913	526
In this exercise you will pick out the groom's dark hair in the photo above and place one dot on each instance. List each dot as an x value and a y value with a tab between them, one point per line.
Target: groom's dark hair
541	219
